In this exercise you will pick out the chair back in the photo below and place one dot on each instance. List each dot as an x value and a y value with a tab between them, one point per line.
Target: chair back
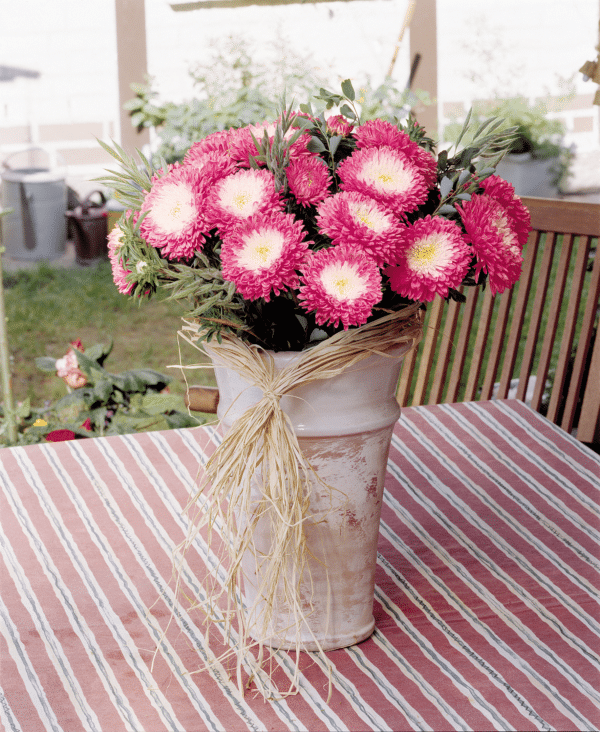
536	342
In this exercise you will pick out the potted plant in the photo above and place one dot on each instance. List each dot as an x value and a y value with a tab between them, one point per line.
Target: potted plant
304	251
537	162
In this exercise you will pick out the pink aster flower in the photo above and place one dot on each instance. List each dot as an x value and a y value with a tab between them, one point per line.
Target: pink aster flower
215	142
213	166
494	240
385	175
379	133
176	220
339	125
503	192
436	258
362	223
308	180
241	195
341	285
119	273
262	254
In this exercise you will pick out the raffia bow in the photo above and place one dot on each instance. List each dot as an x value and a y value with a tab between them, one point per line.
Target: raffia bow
261	451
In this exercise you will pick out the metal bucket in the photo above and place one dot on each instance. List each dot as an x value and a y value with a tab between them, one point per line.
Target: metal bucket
37	194
90	229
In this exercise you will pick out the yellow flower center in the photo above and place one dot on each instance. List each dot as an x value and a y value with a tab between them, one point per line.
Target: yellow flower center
261	249
342	281
241	201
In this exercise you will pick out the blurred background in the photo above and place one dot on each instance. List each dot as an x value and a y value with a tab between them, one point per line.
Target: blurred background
66	68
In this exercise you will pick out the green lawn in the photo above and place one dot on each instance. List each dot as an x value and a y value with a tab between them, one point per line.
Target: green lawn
49	307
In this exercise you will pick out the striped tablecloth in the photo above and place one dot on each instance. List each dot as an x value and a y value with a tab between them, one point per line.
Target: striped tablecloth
486	600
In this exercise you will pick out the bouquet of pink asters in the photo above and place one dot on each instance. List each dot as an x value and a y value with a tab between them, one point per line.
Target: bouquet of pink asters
285	233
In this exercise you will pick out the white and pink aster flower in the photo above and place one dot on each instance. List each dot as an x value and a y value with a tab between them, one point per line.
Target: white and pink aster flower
436	258
503	192
379	133
175	221
385	175
119	273
362	222
262	254
341	285
494	240
215	142
240	196
308	180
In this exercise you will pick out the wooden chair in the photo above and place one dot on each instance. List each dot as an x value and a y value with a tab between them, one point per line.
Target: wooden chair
536	342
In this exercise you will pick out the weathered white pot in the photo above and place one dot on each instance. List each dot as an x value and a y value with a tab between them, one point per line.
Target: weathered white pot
344	427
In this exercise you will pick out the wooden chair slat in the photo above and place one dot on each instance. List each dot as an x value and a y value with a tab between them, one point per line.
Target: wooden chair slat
447	347
498	338
563	217
541	290
558	290
428	352
557	396
460	353
518	315
407	372
583	347
483	329
588	429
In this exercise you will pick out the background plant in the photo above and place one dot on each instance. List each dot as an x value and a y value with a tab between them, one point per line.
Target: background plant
135	400
235	88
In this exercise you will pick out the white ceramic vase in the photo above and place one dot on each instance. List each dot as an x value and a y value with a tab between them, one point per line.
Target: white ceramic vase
344	427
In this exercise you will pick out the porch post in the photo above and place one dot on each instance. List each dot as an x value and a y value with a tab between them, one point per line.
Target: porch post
132	65
423	41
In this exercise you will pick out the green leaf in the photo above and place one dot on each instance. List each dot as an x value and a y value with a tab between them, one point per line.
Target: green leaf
103	389
315	145
45	363
465	127
348	90
347	111
333	143
447	209
180	420
160	403
445	187
24	409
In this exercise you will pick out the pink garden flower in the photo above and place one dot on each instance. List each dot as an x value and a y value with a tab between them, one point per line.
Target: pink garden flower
341	285
503	192
212	165
175	222
339	125
215	142
379	133
67	367
385	175
119	273
362	223
262	254
436	258
308	179
494	240
241	195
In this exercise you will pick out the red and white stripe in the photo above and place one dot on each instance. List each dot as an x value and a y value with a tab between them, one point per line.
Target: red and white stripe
486	598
